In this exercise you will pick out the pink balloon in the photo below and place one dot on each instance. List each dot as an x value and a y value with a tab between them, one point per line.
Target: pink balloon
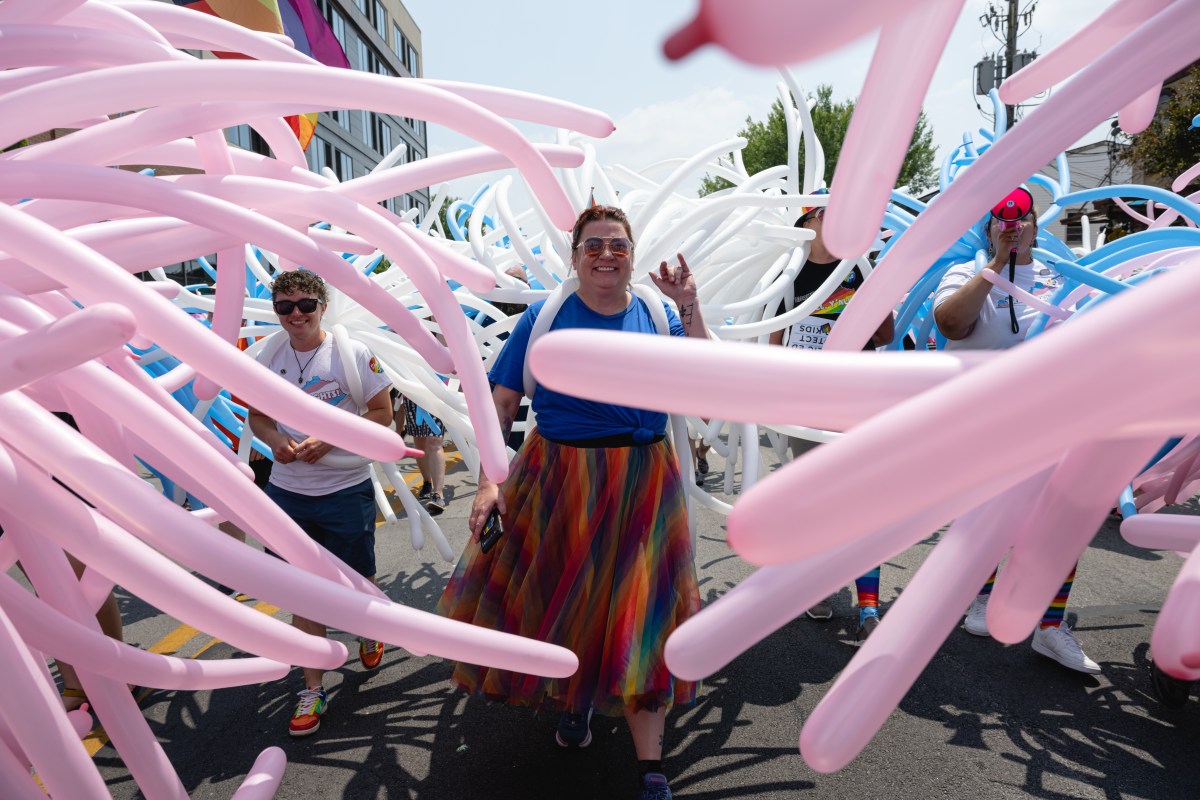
64	343
264	777
773	596
69	182
1049	129
61	637
1176	650
54	580
262	193
931	606
127	500
869	163
1162	532
1072	505
766	385
29	706
38	245
1137	116
294	87
764	31
1084	46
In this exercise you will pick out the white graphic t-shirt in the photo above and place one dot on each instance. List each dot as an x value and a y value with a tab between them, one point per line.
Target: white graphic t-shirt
324	377
993	329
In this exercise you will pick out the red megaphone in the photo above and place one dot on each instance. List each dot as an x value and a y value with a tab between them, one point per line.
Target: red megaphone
1015	206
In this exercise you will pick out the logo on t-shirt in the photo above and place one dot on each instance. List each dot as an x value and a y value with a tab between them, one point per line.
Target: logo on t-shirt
325	390
375	366
1046	286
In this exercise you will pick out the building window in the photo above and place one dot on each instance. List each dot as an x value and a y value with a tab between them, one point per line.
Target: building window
247	138
345	168
337	23
320	154
381	134
364	119
365	60
399	45
363	7
380	21
341	117
413	62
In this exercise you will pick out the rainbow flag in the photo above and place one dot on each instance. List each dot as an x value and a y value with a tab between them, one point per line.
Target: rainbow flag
300	20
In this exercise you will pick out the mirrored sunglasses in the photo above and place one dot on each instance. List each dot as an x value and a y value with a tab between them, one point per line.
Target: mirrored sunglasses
619	246
306	305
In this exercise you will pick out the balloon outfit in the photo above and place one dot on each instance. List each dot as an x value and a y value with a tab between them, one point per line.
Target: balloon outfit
993	331
596	555
810	333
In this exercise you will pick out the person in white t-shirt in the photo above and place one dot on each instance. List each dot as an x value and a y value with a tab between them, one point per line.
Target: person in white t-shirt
326	490
974	314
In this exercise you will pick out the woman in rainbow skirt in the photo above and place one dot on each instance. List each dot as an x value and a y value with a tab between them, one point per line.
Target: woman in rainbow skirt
596	555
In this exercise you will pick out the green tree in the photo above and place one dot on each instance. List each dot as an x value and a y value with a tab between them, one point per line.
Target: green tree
1167	148
446	203
767	144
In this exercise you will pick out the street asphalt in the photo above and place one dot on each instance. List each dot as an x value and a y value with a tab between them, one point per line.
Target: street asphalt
983	720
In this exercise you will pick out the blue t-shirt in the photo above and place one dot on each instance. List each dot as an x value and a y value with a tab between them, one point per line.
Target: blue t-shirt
565	417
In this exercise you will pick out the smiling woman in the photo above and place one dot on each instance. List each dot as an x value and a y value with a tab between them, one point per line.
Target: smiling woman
603	563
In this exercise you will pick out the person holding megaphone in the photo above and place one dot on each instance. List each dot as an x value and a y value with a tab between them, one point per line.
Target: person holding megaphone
978	311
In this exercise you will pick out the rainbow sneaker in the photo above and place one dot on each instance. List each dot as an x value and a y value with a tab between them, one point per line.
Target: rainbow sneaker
370	653
307	717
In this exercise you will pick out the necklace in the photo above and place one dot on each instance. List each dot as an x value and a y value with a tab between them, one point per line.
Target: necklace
303	366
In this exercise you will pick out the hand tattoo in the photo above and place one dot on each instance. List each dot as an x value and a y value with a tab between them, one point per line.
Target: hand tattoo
685	314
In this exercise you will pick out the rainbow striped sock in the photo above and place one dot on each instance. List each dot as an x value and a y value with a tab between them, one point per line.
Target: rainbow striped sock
868	594
991	581
1058	609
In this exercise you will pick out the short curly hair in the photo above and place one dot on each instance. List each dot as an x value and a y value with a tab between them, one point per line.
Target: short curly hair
595	214
300	281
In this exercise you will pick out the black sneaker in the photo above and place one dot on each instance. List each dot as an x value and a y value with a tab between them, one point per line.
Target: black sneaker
1170	691
655	787
574	730
426	491
435	504
866	627
702	465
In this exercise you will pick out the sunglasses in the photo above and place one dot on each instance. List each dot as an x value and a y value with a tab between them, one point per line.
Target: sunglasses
619	246
816	214
306	305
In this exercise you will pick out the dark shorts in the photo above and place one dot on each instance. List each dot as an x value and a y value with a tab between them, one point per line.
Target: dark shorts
419	422
262	472
342	522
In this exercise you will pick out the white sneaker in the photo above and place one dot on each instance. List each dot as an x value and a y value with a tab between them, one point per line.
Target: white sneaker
976	620
1059	643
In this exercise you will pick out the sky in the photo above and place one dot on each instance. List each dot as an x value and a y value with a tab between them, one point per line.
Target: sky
609	56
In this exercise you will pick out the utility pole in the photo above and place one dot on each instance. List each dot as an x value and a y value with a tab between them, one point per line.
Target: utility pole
1004	18
1010	54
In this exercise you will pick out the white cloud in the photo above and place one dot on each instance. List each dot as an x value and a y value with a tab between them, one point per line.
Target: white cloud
680	128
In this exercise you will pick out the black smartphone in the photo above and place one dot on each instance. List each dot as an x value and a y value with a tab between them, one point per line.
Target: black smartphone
492	531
